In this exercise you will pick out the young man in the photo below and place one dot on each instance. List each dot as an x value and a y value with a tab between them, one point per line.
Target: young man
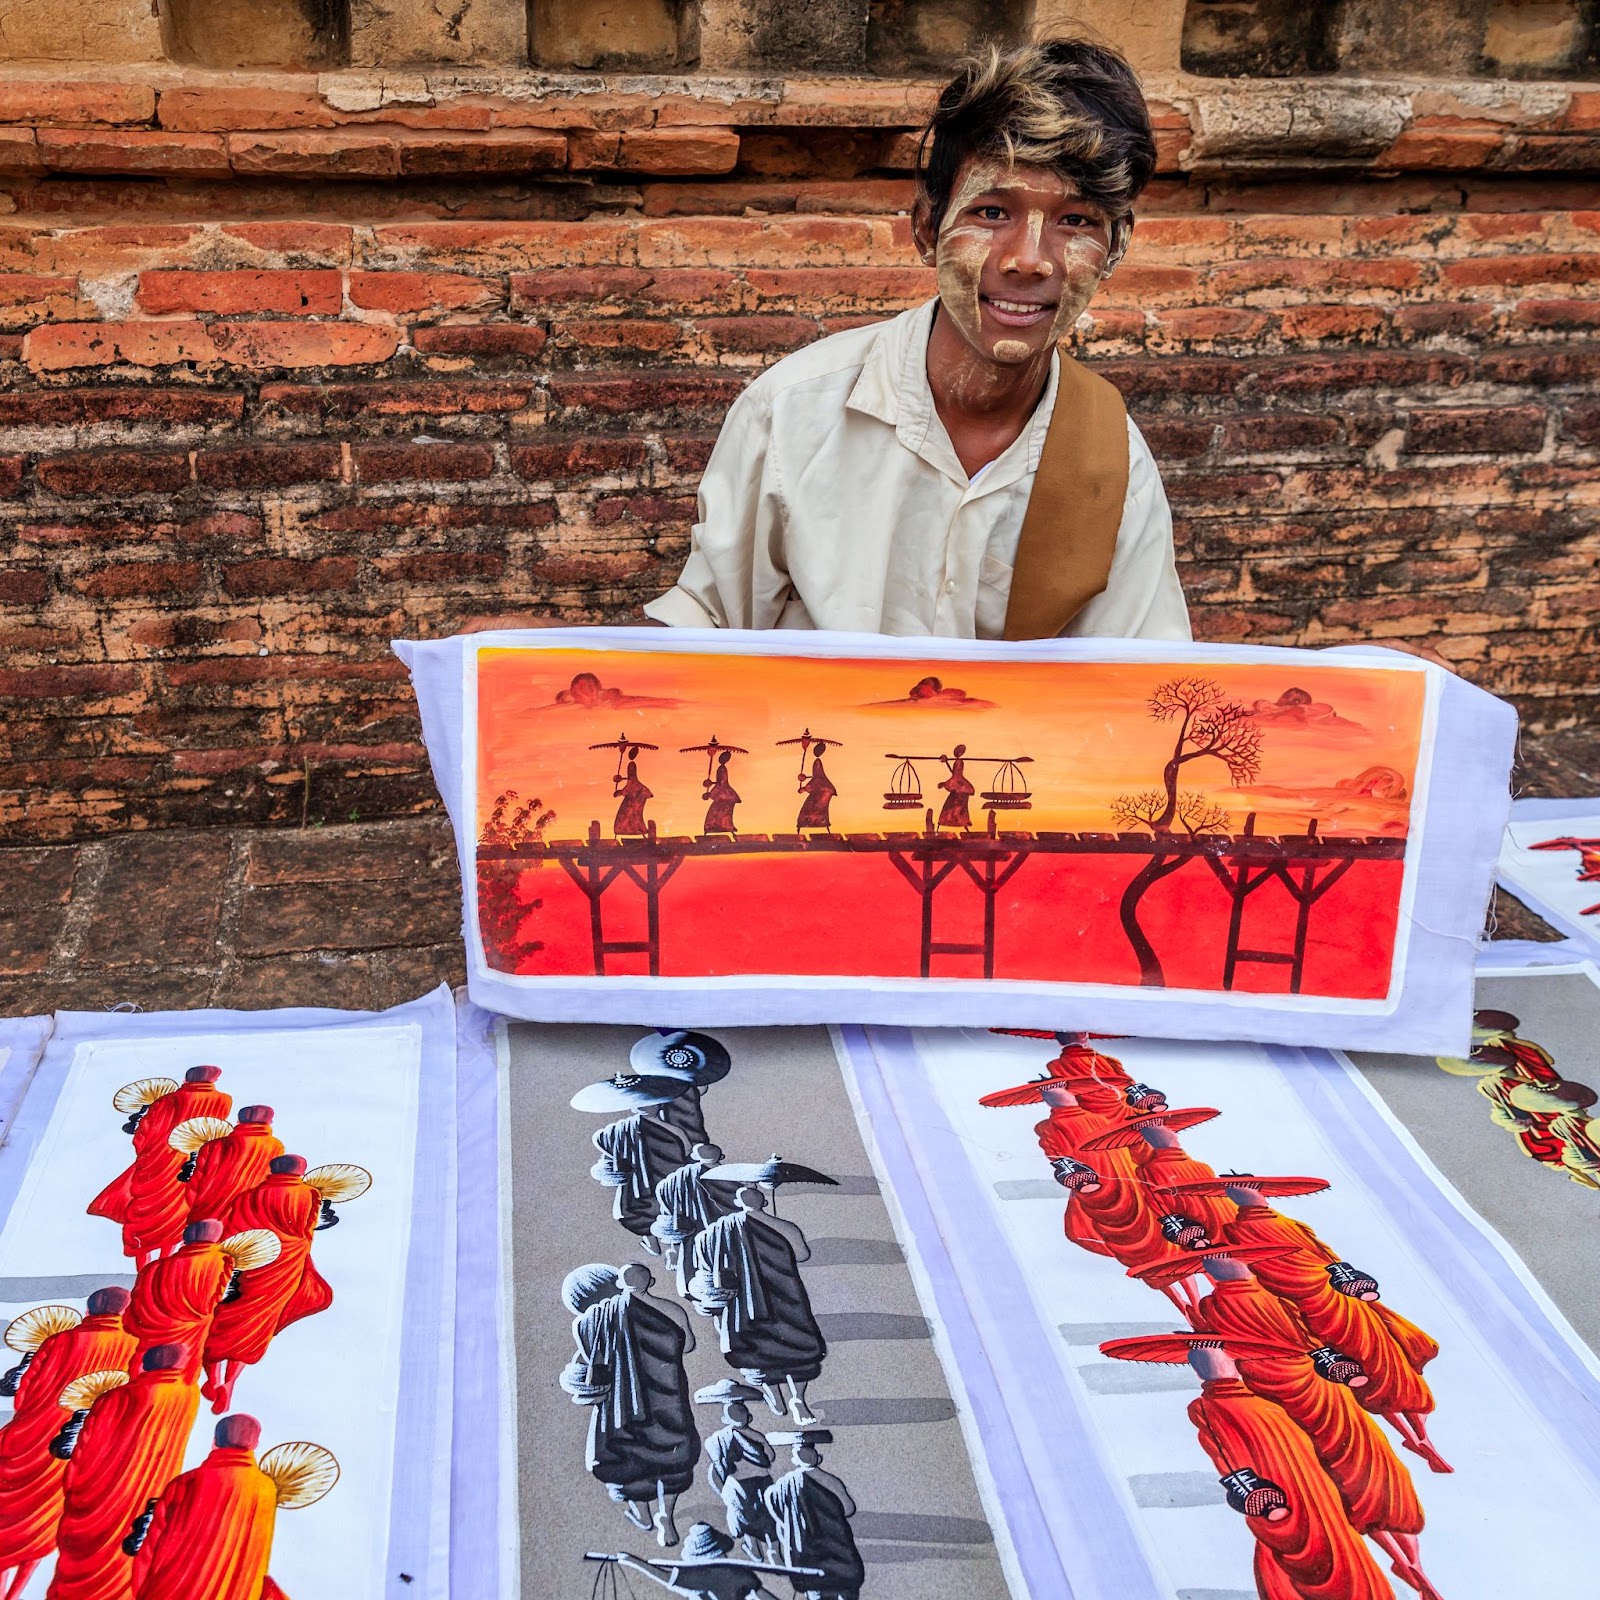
878	480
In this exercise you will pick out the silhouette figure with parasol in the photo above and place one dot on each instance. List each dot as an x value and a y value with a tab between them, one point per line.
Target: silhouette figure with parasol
718	789
817	787
628	787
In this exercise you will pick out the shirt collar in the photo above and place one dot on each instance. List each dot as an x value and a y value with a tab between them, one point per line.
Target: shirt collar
893	387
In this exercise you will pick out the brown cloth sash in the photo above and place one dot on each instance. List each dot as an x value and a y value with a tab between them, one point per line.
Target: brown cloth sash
1069	534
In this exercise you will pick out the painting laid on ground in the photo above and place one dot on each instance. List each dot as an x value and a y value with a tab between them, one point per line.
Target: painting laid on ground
1280	1357
1513	1123
727	1383
225	1284
1551	860
708	819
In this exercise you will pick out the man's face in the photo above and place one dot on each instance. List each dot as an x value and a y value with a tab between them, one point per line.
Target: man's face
1019	255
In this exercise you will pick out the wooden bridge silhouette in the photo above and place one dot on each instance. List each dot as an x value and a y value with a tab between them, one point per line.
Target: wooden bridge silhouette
1305	866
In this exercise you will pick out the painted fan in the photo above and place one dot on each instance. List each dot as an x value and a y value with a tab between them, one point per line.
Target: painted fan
82	1392
255	1247
197	1131
136	1096
339	1181
27	1332
302	1472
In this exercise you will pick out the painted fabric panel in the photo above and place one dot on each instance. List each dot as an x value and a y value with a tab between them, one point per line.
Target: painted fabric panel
1551	860
235	1234
718	828
22	1041
725	1371
1230	1324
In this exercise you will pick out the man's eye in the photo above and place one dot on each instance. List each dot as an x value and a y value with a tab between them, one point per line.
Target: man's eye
1078	219
992	213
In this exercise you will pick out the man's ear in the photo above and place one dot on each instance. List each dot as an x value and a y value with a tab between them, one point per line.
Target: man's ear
921	232
1121	234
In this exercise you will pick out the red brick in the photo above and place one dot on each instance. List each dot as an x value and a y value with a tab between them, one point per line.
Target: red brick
1278	430
11	467
280	575
425	463
268	466
577	458
1331	322
620	394
689	452
67	682
651	508
127	580
115	472
238	106
757	335
65	345
50	102
1171	439
1582	423
47	408
1474	430
297	293
484	341
301	244
23	586
468	398
132	151
19	151
1510	272
343	153
1460	320
511	152
1202	324
1574	315
424	291
440	566
627	335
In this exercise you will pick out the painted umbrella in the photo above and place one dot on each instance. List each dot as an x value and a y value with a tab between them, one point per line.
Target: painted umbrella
1178	1119
1268	1188
1163	1274
769	1173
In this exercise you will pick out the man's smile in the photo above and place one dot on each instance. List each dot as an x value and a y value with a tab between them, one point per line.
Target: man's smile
1019	313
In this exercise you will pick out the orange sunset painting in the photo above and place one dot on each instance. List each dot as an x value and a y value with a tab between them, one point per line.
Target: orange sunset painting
1189	825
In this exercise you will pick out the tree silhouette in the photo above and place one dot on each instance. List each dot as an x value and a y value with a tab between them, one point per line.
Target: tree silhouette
1208	726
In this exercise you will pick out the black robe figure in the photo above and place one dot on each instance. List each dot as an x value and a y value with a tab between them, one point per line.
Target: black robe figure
631	791
959	790
696	1059
628	1369
739	1467
819	793
636	1153
686	1205
747	1276
811	1510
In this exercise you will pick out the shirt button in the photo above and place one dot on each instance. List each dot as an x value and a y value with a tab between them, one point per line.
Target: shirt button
950	587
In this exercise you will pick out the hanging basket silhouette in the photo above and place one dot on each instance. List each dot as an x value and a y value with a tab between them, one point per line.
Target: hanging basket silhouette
905	789
1010	791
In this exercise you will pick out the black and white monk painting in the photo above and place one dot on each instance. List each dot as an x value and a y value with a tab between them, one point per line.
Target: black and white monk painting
686	1205
697	1058
638	1150
747	1276
739	1466
628	1369
811	1510
707	1569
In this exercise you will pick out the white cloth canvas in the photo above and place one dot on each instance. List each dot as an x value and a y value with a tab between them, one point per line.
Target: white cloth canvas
1455	811
1106	1490
22	1042
372	1378
1548	880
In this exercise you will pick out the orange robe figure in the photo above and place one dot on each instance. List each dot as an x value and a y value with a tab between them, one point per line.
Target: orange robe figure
225	1168
129	1451
147	1199
1165	1167
273	1296
1312	1553
174	1299
1377	1491
30	1477
211	1537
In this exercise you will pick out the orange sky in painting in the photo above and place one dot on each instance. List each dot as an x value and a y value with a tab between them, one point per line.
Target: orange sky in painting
1084	724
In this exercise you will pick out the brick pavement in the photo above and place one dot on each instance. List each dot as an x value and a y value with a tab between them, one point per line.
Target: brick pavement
357	915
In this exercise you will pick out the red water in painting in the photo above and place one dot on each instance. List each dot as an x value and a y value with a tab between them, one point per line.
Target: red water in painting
1057	921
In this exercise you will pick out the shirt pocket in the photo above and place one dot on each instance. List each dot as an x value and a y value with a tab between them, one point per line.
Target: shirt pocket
994	591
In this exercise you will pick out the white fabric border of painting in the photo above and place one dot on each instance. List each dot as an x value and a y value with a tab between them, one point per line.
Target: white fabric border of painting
22	1042
420	1515
1545	810
1113	1562
1462	795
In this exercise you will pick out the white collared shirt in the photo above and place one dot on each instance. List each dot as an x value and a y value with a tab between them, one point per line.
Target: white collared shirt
834	499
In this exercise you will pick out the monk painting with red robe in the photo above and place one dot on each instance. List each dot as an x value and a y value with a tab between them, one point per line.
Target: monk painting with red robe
1339	1305
147	1199
211	1536
129	1451
272	1296
1305	1547
1318	1387
30	1477
225	1168
174	1299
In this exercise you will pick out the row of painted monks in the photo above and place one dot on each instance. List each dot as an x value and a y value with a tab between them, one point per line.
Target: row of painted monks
90	1463
1296	1354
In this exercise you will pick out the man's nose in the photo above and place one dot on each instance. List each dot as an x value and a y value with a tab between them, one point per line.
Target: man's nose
1024	253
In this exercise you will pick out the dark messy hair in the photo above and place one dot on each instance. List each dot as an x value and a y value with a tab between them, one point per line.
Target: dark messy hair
1069	104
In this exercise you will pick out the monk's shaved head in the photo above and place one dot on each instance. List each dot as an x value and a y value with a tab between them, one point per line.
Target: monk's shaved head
108	1302
287	1166
256	1114
164	1357
238	1432
207	1231
202	1074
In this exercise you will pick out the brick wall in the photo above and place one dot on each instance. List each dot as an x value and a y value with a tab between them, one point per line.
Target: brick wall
293	366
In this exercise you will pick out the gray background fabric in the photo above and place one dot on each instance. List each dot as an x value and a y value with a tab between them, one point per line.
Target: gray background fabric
1550	1221
897	1444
